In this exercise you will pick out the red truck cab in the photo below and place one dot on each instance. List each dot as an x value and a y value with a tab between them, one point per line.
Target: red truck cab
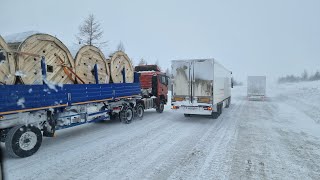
154	85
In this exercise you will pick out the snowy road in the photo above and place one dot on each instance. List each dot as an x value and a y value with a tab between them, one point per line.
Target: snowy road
275	139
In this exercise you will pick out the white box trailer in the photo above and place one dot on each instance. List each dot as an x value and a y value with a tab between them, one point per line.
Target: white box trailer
256	87
200	86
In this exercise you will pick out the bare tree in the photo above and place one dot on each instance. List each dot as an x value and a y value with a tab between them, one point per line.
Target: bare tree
90	32
142	62
157	63
121	47
304	75
168	72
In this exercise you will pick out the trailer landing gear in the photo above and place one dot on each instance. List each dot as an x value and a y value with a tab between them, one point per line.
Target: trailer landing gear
23	141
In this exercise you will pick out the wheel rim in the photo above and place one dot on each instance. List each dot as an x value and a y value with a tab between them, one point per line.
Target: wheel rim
161	106
129	114
28	141
140	111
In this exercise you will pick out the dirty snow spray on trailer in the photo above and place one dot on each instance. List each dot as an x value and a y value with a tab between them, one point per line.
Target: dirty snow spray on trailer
201	86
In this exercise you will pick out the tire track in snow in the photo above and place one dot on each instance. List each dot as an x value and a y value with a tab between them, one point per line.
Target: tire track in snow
116	140
201	161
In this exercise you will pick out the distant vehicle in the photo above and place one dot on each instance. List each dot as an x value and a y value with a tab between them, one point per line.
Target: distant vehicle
200	86
256	87
154	87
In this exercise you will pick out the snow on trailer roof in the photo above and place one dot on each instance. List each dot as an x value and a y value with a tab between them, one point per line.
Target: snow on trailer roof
213	60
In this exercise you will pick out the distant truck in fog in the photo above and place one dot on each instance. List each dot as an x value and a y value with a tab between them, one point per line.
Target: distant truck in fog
256	89
200	86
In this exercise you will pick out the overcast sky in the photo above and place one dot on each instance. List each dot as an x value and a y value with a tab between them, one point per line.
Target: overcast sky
249	37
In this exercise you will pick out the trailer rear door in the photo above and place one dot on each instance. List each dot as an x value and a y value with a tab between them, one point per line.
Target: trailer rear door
193	80
202	78
181	73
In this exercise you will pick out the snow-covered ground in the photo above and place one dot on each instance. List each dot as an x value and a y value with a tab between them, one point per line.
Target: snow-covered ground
275	139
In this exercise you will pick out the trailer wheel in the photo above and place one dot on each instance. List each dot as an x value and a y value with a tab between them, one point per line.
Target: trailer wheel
220	108
140	111
228	102
23	141
215	115
160	108
126	115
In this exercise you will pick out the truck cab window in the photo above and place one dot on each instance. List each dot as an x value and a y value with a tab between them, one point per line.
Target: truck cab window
163	80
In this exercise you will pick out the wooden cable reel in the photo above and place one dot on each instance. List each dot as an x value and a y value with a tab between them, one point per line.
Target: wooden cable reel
86	58
58	60
7	64
119	62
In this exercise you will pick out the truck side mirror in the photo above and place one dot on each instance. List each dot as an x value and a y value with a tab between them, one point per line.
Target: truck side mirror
231	82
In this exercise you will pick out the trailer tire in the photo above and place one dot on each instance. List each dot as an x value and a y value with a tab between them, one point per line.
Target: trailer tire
139	111
23	141
126	115
215	115
220	108
160	108
228	102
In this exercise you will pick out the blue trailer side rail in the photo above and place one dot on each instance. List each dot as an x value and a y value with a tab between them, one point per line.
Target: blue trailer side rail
25	98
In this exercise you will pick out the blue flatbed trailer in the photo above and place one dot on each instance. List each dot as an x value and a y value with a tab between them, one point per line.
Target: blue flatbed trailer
28	98
28	112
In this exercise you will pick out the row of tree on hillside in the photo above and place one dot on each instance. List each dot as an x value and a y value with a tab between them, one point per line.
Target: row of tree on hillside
303	77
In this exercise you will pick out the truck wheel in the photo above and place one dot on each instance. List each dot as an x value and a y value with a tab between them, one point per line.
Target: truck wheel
140	111
160	108
23	141
187	115
228	102
126	115
214	115
220	108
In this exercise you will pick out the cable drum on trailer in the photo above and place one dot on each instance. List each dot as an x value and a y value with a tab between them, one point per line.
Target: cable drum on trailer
7	64
58	60
86	58
120	61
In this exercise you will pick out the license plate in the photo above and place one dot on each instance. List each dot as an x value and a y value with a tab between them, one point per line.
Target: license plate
192	108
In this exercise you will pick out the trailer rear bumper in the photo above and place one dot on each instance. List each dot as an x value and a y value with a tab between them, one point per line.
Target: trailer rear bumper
201	110
256	97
